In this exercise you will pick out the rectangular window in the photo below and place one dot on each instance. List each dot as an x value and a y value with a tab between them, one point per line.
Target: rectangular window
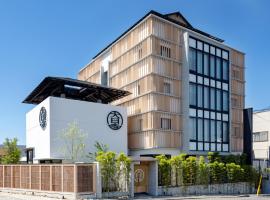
225	101
165	123
212	66
218	68
104	78
212	99
199	62
213	130
192	94
206	64
225	70
140	124
206	130
225	132
219	131
165	51
192	128
206	97
140	53
260	136
167	88
200	129
218	102
139	89
200	96
192	59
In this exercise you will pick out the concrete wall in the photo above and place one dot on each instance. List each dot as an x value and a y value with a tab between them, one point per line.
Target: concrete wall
91	119
226	189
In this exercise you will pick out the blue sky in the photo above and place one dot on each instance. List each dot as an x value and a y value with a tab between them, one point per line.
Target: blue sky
57	38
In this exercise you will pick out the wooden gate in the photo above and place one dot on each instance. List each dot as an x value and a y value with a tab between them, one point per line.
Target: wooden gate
141	178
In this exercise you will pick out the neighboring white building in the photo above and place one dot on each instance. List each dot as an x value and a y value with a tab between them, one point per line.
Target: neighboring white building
261	137
99	122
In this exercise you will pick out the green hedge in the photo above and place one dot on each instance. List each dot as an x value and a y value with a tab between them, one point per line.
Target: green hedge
190	170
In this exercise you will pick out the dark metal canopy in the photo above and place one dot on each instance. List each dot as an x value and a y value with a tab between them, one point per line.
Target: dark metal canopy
73	89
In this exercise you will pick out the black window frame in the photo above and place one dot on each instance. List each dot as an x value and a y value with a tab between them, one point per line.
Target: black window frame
210	87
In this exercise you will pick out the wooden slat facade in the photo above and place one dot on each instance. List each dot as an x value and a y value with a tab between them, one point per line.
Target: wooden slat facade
139	65
237	100
52	178
142	62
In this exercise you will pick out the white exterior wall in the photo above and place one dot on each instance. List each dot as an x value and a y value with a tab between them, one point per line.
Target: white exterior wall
91	119
261	122
35	136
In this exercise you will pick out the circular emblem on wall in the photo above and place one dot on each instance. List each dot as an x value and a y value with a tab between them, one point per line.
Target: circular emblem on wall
43	117
139	175
114	120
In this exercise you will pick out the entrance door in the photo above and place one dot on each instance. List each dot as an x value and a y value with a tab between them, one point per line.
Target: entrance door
141	178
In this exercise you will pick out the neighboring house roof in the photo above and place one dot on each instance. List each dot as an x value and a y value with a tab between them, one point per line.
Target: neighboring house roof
21	147
175	17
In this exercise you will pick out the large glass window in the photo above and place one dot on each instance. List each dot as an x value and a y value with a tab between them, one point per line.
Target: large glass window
192	94
212	66
199	62
213	130
225	101
200	96
209	97
212	98
206	130
219	131
225	70
192	128
218	102
206	64
218	68
206	97
225	132
200	129
192	59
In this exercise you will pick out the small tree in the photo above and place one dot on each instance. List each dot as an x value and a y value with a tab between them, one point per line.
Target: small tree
177	166
12	152
164	167
108	168
113	168
123	164
99	148
202	176
191	170
73	139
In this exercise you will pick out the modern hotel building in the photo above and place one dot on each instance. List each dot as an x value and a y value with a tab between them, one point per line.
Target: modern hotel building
188	87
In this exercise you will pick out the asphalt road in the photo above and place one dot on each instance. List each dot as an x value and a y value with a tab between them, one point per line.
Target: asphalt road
7	196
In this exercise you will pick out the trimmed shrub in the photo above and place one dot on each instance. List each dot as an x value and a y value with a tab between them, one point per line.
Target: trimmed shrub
234	173
217	172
